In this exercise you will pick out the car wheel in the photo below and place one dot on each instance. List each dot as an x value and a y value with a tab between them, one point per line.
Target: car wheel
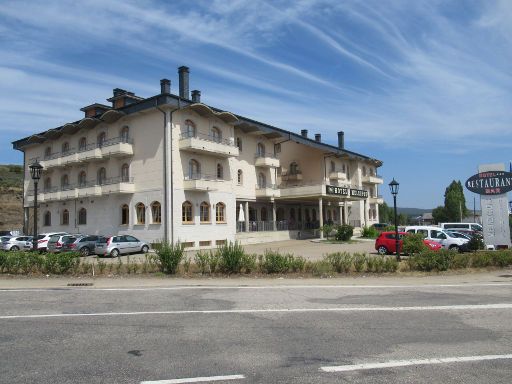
15	248
382	250
114	253
145	249
454	248
85	251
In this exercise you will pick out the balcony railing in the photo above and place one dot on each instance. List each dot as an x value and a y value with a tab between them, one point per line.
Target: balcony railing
202	182
263	159
81	186
213	139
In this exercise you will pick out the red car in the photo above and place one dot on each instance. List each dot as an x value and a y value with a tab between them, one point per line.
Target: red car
385	244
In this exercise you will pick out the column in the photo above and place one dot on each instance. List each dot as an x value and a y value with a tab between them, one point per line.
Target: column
274	215
321	216
246	210
366	212
345	213
340	215
302	218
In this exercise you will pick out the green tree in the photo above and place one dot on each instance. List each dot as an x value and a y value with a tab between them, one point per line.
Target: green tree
386	214
403	219
455	202
439	215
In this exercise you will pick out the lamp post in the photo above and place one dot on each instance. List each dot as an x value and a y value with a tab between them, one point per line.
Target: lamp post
35	172
393	186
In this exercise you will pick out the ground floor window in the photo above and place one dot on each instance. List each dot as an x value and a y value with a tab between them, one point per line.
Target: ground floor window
156	212
125	214
82	216
186	212
204	212
47	219
140	208
220	213
65	217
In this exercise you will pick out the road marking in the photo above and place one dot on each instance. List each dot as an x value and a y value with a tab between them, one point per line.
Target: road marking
406	363
196	379
505	306
256	287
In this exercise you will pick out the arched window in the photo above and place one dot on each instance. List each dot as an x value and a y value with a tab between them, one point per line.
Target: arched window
125	173
262	180
216	135
102	176
260	150
239	143
48	152
64	181
102	138
264	214
186	213
240	177
65	147
47	184
204	212
294	168
140	209
333	166
82	216
189	130
280	214
220	171
125	134
82	144
194	169
82	179
47	219
220	213
156	212
125	214
65	217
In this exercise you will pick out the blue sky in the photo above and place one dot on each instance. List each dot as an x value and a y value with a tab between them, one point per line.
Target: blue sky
422	85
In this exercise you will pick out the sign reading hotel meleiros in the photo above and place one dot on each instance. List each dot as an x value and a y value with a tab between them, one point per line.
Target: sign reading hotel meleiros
490	183
343	191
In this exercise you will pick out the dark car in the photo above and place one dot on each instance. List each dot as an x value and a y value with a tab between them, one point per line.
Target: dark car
84	244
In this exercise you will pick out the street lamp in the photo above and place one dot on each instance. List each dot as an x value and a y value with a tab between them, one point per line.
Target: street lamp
35	172
393	186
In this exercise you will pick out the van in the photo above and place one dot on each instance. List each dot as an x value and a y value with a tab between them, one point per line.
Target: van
466	226
437	234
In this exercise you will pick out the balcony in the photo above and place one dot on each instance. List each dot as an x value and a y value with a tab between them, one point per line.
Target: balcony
208	144
337	175
372	179
267	190
376	199
117	147
291	176
202	182
266	160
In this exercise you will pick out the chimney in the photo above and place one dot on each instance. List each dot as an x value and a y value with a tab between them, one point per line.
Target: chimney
341	140
183	77
318	137
165	86
304	133
196	96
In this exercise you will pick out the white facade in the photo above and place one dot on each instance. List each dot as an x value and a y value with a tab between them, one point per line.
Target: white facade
170	168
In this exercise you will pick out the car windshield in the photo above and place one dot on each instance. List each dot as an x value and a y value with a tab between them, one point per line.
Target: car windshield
54	239
68	239
39	237
5	239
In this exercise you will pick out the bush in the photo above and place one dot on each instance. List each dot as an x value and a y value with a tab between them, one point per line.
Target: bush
169	257
501	258
461	260
327	229
344	232
375	264
413	244
476	242
370	233
359	261
201	259
274	262
390	264
432	261
231	257
340	261
481	260
319	268
60	263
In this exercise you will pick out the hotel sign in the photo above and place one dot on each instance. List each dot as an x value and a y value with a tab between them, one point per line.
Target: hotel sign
490	183
359	193
333	190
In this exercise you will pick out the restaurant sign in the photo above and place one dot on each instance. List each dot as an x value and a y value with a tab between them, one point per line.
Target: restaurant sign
334	190
490	183
359	193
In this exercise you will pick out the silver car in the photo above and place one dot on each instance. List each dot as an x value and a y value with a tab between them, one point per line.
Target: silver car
119	245
16	243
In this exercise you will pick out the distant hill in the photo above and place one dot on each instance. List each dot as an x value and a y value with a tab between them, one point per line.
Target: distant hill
11	197
413	211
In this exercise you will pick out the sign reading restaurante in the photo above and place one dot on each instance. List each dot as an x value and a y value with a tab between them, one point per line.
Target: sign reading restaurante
490	183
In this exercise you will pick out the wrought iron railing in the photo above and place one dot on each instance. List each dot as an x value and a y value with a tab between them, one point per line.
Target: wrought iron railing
214	139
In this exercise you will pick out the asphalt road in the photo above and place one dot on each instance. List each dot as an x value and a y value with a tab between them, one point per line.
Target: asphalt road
301	332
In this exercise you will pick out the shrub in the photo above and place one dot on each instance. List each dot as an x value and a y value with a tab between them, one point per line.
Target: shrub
413	244
249	263
340	261
327	229
476	242
501	258
390	264
359	261
319	268
344	232
169	256
297	263
60	263
481	260
231	257
375	264
201	260
460	260
370	232
274	262
432	261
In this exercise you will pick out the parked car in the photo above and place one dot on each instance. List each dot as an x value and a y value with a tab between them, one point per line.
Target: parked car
56	242
385	244
16	243
85	244
459	234
467	227
120	245
42	240
440	236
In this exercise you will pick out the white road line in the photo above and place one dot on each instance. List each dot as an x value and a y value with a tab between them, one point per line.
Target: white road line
255	287
196	379
406	363
502	306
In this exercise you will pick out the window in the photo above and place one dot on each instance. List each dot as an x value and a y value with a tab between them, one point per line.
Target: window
47	184
82	216
64	181
333	166
102	138
277	148
264	214
343	168
280	214
82	144
102	176
240	177
65	148
204	212
156	212
364	171
125	134
260	150
292	213
194	169
262	181
141	213
220	213
48	152
239	143
220	171
47	219
125	214
189	130
65	217
125	173
294	168
82	179
216	135
186	212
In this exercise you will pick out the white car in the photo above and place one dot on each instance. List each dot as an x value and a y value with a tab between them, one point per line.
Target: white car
16	243
447	240
42	240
